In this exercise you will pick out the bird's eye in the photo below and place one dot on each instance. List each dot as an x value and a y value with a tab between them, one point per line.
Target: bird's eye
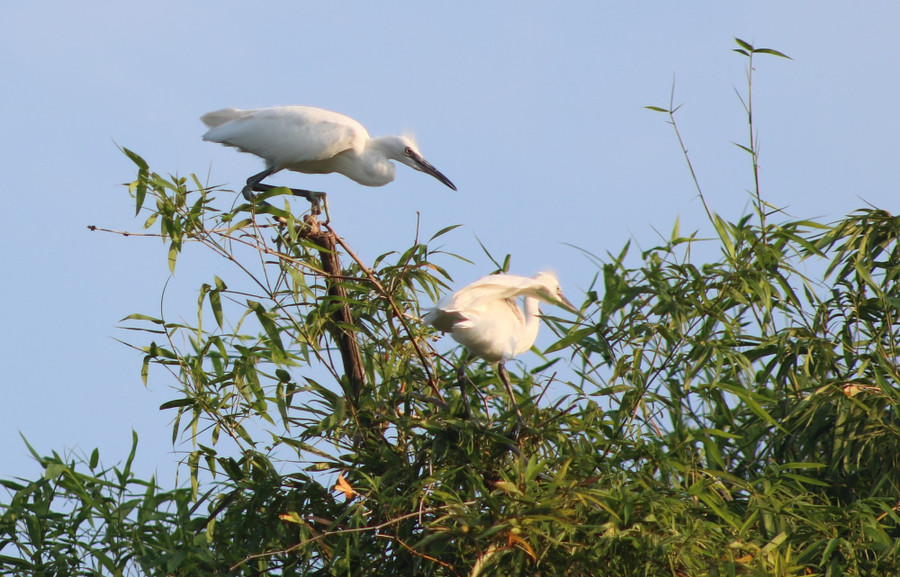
408	151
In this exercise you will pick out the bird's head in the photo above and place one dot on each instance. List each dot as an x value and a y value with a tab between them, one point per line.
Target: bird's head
549	290
404	149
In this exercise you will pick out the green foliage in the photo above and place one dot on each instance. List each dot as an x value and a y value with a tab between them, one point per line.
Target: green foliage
81	518
733	416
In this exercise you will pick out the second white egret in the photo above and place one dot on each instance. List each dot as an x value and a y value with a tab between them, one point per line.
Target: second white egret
314	141
486	319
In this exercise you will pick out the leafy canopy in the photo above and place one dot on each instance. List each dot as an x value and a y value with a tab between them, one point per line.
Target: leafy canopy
736	416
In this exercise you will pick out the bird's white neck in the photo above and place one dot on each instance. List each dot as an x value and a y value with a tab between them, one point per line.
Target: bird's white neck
370	167
379	170
532	322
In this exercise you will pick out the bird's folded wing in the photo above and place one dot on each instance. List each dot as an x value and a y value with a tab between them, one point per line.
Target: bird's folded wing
444	320
490	288
285	136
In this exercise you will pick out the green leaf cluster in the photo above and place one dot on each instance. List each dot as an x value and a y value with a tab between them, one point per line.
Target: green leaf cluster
735	414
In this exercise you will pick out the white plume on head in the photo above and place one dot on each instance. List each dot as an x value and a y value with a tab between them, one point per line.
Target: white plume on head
410	137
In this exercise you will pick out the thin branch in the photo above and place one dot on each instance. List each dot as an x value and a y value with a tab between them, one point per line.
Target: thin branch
344	531
671	112
424	359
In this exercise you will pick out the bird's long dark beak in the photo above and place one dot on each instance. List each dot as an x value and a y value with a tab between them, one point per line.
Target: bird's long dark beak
564	303
427	168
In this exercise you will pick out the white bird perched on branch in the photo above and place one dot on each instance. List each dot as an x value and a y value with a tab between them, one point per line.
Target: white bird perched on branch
486	319
313	141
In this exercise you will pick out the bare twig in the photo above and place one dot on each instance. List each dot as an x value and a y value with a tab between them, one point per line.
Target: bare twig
423	358
671	112
375	528
343	317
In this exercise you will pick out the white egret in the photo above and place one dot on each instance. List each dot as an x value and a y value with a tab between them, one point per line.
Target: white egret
313	141
486	319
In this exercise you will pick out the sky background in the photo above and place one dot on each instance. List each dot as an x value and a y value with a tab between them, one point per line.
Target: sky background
535	110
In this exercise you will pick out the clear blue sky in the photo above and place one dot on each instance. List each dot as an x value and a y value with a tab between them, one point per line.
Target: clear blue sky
534	110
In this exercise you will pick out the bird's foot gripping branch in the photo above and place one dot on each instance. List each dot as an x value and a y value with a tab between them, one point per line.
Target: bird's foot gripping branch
318	200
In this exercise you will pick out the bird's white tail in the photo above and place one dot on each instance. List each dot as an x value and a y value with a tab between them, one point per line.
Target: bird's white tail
218	117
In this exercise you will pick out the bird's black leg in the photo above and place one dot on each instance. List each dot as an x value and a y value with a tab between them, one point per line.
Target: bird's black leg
315	198
254	181
461	380
504	376
254	184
